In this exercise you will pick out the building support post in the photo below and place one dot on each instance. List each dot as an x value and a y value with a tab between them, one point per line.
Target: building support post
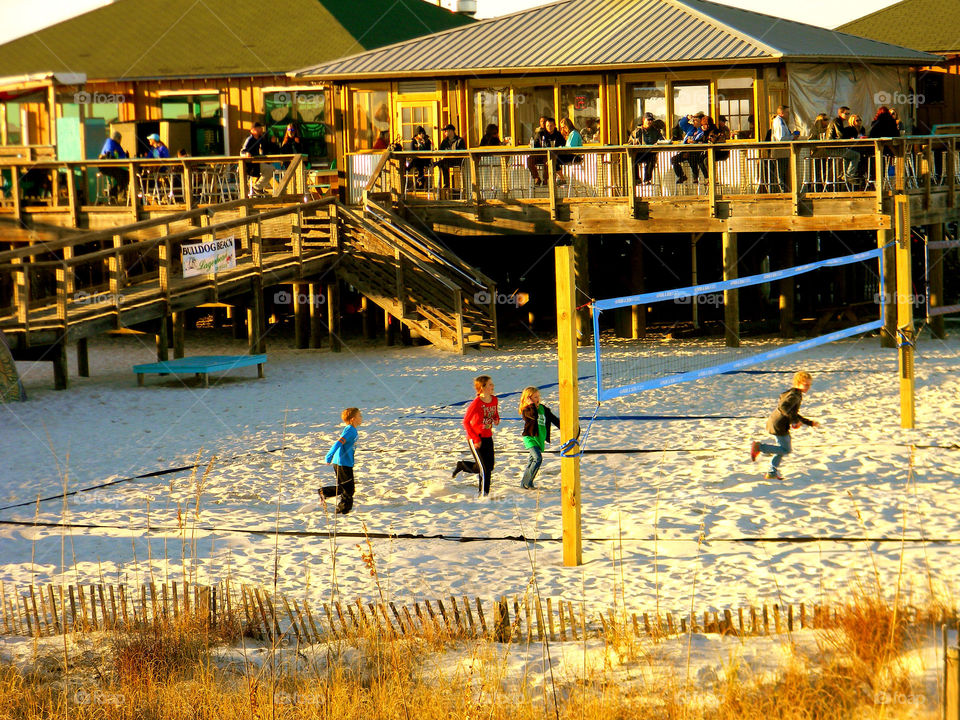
83	358
935	279
581	250
333	314
731	298
569	401
638	320
256	319
694	307
788	288
179	323
317	302
888	333
58	354
905	331
301	314
163	340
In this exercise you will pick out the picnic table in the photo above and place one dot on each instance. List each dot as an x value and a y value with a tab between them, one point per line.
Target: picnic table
200	365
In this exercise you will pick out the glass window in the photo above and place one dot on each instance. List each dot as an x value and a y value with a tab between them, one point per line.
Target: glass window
735	103
529	104
411	117
647	97
491	106
690	98
14	128
371	114
305	110
580	103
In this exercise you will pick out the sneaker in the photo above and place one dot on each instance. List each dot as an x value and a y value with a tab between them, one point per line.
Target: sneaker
754	451
772	476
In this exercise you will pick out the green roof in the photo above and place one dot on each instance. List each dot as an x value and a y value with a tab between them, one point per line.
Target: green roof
929	25
132	39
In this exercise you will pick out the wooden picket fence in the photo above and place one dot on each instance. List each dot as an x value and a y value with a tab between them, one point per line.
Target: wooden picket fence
47	610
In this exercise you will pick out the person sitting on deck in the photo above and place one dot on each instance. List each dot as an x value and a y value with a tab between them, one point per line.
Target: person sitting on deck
548	137
451	141
421	142
647	132
572	139
255	146
491	136
382	142
157	147
690	131
113	150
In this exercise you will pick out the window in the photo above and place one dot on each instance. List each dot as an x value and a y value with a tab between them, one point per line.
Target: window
305	110
690	98
371	115
205	116
412	116
647	97
529	103
491	106
930	88
735	102
14	128
580	103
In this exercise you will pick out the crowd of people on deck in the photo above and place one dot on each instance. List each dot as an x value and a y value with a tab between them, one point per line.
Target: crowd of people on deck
693	129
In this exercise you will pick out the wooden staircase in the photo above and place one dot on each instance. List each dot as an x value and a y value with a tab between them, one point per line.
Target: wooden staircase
416	279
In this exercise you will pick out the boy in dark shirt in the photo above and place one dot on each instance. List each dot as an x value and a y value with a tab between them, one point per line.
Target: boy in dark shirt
786	415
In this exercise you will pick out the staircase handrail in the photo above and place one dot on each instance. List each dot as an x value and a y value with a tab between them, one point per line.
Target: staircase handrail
371	227
432	248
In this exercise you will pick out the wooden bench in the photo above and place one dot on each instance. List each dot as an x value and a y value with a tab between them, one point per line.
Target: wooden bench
201	366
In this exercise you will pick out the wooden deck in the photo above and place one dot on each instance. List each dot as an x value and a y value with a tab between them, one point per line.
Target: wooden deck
751	187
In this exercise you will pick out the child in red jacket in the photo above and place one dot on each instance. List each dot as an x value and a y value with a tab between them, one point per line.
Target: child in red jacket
482	414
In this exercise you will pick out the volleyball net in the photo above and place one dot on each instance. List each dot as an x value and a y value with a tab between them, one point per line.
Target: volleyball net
624	368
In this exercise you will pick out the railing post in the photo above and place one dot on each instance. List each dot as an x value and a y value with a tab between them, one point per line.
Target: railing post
475	182
712	178
458	314
794	179
187	187
21	294
72	197
552	184
15	190
879	175
62	298
631	184
242	179
952	172
927	171
133	195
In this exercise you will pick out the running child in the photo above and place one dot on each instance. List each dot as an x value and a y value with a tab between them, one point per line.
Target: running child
786	415
482	414
537	419
341	455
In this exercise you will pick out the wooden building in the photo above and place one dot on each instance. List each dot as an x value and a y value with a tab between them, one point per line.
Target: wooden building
604	64
934	27
198	73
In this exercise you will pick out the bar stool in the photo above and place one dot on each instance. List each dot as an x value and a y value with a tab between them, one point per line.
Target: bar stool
826	175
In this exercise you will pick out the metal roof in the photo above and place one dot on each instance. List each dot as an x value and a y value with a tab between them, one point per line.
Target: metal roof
930	25
570	33
131	39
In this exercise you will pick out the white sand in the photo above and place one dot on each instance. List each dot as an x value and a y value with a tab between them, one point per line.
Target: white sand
642	513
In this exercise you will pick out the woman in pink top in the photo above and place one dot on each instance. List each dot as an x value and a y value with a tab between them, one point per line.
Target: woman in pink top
482	414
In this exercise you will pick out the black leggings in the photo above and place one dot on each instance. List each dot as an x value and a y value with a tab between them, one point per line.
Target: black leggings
344	488
482	463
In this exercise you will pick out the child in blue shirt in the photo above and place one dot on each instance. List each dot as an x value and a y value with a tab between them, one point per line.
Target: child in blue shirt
341	455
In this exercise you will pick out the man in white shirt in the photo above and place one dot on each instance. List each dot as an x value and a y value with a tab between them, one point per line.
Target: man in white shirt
780	132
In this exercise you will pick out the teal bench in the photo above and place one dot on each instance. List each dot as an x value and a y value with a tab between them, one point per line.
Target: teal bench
201	366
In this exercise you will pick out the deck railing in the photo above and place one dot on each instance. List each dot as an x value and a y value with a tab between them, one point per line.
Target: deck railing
180	183
797	170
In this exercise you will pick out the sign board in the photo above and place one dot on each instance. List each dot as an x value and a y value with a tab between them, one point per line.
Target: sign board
208	257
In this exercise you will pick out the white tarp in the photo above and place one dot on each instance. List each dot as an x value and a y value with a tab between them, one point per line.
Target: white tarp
208	257
823	87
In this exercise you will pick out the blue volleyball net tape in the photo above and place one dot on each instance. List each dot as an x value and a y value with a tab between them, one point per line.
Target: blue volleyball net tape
607	391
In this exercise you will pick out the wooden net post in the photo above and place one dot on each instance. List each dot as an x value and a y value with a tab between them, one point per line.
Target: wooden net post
569	402
905	330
